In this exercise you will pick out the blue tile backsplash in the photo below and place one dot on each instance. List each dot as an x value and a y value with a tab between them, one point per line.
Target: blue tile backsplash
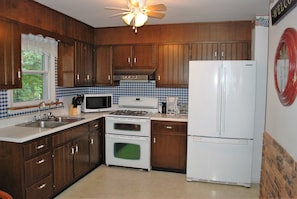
124	89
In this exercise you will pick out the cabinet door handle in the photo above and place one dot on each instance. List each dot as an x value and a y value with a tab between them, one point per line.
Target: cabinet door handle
134	60
40	161
40	147
88	77
108	77
129	60
168	127
222	54
76	148
19	74
41	186
77	76
159	77
72	150
92	141
154	140
96	126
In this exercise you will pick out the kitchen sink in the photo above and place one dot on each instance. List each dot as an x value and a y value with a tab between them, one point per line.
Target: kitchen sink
51	122
43	124
66	119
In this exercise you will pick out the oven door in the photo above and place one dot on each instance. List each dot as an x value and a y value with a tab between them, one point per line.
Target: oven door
128	151
128	126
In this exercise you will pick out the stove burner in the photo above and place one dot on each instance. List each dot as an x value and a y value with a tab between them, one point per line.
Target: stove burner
129	112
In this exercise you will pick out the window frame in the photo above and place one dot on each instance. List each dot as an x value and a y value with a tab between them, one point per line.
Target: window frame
49	68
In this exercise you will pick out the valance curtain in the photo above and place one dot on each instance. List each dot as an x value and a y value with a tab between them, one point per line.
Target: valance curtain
39	44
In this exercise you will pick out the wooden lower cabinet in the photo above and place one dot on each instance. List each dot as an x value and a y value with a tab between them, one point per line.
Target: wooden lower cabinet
96	142
43	167
71	156
169	145
62	166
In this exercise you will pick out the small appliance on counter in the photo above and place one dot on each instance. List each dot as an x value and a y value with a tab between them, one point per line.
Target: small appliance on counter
171	105
75	107
96	103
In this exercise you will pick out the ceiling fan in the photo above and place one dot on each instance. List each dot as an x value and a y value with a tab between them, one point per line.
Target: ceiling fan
138	12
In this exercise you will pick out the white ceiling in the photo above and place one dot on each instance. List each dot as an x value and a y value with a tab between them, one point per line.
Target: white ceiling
92	12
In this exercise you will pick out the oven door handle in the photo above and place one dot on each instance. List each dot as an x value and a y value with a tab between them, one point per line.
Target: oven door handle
118	119
127	137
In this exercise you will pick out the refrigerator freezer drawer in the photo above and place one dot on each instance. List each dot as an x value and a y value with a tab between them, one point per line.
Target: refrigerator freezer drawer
226	161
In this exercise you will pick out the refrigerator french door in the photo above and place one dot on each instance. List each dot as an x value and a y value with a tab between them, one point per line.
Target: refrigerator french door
221	121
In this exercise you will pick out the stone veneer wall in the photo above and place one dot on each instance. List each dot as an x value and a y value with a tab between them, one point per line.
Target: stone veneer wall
279	171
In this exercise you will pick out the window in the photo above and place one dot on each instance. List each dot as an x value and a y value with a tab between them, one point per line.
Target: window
38	71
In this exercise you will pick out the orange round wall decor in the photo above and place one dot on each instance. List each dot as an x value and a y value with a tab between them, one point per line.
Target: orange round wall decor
285	69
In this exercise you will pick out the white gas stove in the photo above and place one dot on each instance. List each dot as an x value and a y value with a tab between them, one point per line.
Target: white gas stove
128	132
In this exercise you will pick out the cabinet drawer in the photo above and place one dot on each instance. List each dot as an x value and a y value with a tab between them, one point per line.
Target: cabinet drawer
79	131
41	190
169	127
94	125
36	147
37	168
61	137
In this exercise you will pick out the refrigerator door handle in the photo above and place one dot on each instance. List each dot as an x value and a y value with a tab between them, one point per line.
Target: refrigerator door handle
219	101
223	102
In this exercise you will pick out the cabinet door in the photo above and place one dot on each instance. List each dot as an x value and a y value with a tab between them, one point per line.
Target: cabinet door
143	57
103	65
204	51
173	65
169	141
63	166
168	151
94	149
81	156
122	57
235	51
83	64
65	65
10	56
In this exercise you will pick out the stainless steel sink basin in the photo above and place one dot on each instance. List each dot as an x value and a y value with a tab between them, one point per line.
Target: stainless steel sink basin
43	124
67	119
51	122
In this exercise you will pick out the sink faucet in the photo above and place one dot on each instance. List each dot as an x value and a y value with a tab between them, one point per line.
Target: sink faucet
40	105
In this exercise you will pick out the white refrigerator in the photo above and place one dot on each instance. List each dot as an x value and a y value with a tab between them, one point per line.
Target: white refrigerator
221	121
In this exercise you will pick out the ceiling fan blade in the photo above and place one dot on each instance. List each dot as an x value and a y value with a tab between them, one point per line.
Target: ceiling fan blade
119	14
156	7
115	8
153	14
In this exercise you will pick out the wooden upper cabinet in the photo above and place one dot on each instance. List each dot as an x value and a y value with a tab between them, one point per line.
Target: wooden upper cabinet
235	51
10	56
133	56
65	65
173	65
83	64
221	51
103	66
204	51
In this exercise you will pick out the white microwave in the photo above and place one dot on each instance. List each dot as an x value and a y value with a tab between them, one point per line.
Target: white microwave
96	103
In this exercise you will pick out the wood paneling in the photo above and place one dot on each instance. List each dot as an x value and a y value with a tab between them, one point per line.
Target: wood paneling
34	14
173	65
191	32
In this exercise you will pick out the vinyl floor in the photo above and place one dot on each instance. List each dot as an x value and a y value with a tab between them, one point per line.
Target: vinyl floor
126	183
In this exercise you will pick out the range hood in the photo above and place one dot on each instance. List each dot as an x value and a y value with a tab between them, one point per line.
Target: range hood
134	74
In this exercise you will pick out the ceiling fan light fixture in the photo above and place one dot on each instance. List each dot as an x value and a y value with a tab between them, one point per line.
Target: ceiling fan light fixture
140	19
128	18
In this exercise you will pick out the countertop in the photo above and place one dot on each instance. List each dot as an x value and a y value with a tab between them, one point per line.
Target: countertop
19	134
